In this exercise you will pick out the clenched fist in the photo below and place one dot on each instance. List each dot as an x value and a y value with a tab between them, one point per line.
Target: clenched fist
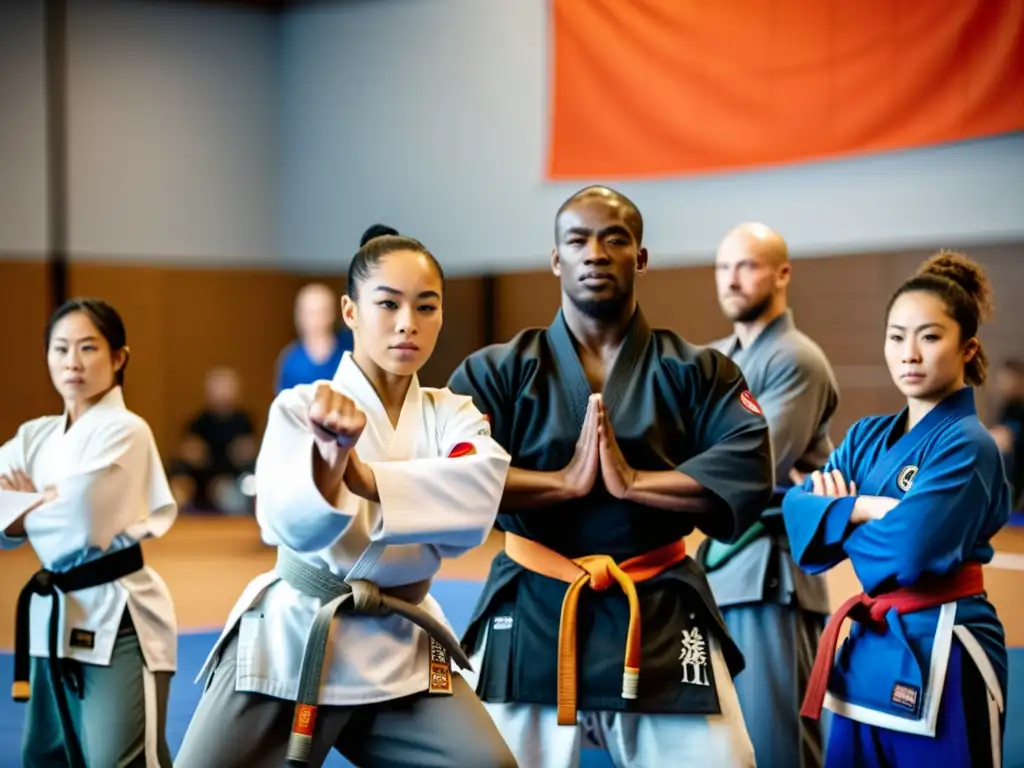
335	421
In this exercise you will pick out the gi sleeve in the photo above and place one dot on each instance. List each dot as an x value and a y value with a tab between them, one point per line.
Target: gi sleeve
484	378
451	501
290	509
935	525
797	395
13	503
733	457
98	499
817	525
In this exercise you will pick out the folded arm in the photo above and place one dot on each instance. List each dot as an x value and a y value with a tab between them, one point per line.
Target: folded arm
932	528
452	501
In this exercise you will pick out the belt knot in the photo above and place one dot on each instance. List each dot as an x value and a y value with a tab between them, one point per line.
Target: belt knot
367	597
601	569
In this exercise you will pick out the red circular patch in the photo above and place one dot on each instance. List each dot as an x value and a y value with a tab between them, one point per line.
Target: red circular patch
748	402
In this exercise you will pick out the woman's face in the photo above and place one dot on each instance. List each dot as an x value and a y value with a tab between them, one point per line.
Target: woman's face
397	317
923	350
82	365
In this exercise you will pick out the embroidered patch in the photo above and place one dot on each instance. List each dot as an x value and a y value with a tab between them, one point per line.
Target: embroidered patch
82	638
461	449
501	622
440	670
905	479
747	401
906	696
694	658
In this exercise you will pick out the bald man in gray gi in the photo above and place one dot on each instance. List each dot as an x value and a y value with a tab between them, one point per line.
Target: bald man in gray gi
774	611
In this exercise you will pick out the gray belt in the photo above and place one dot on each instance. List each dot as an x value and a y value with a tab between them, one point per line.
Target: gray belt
357	596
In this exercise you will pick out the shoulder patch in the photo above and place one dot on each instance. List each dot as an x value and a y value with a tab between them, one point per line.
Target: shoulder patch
748	401
461	449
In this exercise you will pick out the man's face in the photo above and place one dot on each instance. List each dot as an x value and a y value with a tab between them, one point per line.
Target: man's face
747	278
597	256
316	312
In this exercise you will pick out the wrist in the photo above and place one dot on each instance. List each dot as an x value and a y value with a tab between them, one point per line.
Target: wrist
360	480
860	513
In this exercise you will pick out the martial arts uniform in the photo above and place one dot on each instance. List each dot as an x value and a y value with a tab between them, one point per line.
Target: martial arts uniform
922	678
97	624
672	406
774	611
386	694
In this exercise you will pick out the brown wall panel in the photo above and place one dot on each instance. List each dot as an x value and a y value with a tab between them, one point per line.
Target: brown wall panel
24	308
182	322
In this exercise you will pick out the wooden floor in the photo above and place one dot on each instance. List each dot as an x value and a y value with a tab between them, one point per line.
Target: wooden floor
207	561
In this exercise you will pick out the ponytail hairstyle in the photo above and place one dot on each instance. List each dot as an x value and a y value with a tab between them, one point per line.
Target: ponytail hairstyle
374	251
961	284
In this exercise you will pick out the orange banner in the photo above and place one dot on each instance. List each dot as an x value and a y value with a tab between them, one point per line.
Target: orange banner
649	88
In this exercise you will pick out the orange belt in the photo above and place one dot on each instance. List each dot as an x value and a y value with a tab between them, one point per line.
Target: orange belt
597	572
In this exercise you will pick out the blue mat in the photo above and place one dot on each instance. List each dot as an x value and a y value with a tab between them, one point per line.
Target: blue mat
458	599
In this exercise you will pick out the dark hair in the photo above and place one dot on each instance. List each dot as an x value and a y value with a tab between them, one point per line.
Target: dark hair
633	217
371	254
961	284
106	319
376	230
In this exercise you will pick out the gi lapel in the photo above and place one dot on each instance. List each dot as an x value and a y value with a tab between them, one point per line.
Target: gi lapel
569	370
631	354
954	407
409	430
351	381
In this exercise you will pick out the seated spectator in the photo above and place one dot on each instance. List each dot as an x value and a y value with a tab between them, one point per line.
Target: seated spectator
213	468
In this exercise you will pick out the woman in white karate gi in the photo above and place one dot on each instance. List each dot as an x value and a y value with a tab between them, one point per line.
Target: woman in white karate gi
95	633
363	484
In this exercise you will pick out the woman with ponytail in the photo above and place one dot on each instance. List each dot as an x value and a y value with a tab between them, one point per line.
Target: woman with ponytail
913	499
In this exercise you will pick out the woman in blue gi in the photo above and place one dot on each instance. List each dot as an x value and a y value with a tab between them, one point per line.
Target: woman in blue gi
913	500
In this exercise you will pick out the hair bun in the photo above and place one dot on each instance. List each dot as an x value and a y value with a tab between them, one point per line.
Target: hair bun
376	230
965	272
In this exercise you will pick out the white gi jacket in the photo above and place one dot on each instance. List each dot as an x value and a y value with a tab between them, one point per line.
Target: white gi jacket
111	493
431	507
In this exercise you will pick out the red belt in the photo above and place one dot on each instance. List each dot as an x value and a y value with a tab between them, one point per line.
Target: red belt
966	582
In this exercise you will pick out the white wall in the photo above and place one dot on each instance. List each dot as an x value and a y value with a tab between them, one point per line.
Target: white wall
224	136
430	115
22	131
171	128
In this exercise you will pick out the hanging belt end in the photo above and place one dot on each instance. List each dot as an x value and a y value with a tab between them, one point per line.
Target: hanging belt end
630	682
21	690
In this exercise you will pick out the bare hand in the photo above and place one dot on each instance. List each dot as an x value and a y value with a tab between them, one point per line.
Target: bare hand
796	476
618	476
580	473
832	484
17	481
868	508
336	422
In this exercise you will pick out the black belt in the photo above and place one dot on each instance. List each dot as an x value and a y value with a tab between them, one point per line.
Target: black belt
46	583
